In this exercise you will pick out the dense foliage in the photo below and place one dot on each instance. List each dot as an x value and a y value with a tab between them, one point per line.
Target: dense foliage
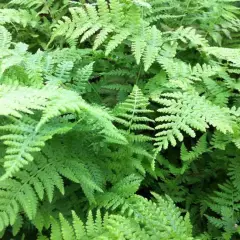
120	119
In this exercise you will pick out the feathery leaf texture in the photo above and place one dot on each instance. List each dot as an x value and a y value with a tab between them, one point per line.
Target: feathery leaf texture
187	112
41	177
196	151
112	226
102	102
28	135
132	115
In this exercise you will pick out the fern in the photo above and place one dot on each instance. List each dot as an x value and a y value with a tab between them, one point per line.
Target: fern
30	4
23	17
23	140
39	178
225	203
189	34
196	151
5	38
231	55
129	114
103	20
80	82
28	139
103	102
119	227
183	114
182	74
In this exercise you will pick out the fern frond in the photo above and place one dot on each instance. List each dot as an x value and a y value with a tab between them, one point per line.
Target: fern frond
196	151
21	16
184	112
132	114
15	99
234	173
216	92
23	139
153	46
113	24
165	223
117	195
40	178
5	38
52	104
225	203
27	3
80	81
229	54
189	34
183	74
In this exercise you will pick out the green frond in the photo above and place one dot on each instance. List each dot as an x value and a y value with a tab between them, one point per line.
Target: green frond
27	3
182	74
165	223
33	65
5	38
216	92
117	196
80	80
63	70
40	178
229	54
196	151
91	92
132	113
220	140
17	99
225	203
234	173
187	112
189	34
14	57
153	46
23	140
20	16
112	28
117	40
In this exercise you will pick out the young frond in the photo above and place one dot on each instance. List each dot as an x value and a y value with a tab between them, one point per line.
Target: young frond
53	102
15	100
27	3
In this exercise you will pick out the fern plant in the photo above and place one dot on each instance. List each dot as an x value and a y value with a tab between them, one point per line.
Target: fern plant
103	103
120	227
